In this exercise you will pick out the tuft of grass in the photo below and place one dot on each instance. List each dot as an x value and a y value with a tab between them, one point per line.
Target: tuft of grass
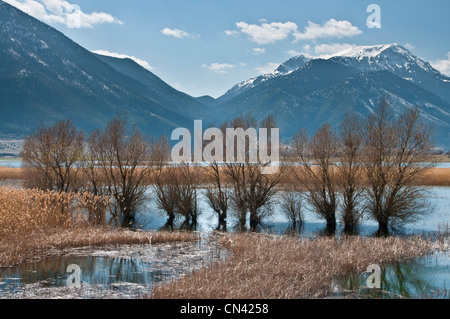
266	267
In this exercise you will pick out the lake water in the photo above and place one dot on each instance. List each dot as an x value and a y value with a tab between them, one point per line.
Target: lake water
111	272
151	218
130	272
425	277
10	163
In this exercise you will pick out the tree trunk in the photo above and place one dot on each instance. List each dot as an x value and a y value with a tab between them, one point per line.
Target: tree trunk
383	230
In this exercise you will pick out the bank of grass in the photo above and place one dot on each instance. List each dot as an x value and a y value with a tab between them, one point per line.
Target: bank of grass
35	223
433	177
266	267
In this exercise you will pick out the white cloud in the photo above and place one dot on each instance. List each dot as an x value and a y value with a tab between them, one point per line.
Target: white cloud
176	33
331	29
321	49
259	50
142	63
268	68
220	68
443	66
61	11
267	32
231	32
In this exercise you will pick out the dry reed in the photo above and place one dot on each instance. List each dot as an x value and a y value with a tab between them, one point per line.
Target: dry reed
265	267
34	222
433	177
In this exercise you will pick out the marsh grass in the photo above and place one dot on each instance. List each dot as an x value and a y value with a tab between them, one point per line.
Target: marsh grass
34	223
433	177
11	173
266	267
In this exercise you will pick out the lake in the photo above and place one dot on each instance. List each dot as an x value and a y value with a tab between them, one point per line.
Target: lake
130	272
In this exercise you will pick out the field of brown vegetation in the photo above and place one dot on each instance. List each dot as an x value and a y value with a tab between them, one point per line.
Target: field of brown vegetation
265	267
34	223
433	177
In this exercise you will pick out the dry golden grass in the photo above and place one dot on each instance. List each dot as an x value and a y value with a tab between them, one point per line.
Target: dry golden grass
264	267
434	177
9	173
33	223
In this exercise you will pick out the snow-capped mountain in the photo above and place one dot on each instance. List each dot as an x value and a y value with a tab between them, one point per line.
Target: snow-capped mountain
284	69
396	59
324	89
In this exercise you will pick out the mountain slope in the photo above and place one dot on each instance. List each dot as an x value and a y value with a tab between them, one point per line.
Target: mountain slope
45	77
157	89
399	61
286	68
323	90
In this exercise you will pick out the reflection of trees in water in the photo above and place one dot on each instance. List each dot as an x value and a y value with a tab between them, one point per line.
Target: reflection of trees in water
402	279
94	270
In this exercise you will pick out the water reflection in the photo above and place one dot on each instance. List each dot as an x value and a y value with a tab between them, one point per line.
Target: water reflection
103	271
425	277
127	271
151	218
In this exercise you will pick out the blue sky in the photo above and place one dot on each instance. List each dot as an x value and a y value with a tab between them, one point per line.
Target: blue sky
204	47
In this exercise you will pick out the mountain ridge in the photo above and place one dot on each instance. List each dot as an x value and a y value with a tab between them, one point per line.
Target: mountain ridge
318	91
45	77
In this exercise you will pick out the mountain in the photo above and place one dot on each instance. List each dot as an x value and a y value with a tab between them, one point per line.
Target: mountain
324	90
45	77
284	69
399	61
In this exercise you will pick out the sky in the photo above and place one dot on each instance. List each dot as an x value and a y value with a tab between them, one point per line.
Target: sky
204	47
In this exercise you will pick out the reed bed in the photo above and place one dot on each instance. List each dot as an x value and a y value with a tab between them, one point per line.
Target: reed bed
433	177
11	173
34	223
265	267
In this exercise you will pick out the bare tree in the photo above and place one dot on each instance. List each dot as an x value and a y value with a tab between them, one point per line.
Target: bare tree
396	153
317	173
350	171
165	184
291	206
51	157
253	190
187	195
218	195
176	191
126	163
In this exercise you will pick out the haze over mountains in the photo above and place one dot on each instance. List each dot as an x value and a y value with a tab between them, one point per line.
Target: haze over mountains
45	77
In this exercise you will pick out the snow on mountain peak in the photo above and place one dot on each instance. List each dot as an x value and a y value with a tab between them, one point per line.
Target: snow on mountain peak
368	51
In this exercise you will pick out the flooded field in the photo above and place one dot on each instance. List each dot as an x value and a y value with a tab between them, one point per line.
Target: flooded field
110	272
131	271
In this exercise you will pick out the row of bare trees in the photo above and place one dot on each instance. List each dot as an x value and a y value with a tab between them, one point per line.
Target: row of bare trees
110	162
366	167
